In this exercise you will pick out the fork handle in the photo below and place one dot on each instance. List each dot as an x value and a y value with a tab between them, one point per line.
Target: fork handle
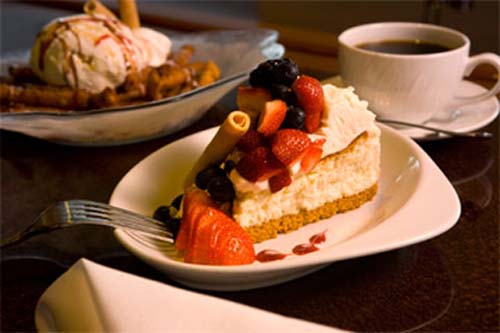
25	234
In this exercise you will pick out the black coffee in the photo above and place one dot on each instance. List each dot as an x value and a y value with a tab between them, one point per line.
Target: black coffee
403	47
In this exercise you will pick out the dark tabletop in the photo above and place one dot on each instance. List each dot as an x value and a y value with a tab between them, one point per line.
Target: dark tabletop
449	283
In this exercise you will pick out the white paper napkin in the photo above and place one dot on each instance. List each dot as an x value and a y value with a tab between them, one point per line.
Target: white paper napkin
92	297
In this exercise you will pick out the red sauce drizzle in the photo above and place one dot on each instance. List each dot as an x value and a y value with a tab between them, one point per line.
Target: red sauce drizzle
318	238
301	249
100	39
305	248
270	255
48	37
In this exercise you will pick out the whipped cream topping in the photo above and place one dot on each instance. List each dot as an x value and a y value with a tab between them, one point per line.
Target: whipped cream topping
344	118
95	52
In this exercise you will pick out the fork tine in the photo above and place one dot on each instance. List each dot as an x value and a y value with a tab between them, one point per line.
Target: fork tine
98	207
124	220
86	210
124	223
118	221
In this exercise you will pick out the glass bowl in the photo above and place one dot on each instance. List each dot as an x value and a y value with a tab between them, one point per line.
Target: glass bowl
235	52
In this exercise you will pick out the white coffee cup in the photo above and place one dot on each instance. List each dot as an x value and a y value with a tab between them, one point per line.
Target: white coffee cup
414	87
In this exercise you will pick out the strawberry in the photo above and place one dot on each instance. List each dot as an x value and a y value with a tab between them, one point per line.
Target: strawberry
319	142
218	240
252	100
288	144
195	202
311	98
279	181
235	247
251	140
259	164
199	238
271	118
312	156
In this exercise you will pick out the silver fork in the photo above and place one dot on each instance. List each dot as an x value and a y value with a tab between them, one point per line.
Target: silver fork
77	212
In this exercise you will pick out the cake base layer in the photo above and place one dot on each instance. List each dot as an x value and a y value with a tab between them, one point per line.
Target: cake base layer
288	223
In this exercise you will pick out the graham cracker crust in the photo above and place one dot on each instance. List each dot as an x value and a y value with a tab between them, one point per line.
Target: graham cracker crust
288	223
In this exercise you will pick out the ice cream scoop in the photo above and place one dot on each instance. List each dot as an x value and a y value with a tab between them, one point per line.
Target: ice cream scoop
93	52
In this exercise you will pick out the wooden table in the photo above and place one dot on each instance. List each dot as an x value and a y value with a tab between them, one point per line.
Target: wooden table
449	283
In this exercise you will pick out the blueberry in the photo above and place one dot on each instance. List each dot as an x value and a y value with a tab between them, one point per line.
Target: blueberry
276	71
221	189
177	201
162	214
285	72
229	165
174	225
262	75
280	91
295	118
205	176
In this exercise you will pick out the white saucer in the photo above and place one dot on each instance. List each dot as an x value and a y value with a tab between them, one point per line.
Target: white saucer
466	118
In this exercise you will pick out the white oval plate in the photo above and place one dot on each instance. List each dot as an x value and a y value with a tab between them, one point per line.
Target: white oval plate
415	202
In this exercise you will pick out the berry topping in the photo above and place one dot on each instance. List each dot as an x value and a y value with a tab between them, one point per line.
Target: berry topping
162	214
280	91
221	189
217	240
195	202
279	181
205	176
295	118
174	226
289	144
251	140
312	156
310	97
271	118
277	71
319	142
229	166
177	201
262	75
259	164
252	100
166	214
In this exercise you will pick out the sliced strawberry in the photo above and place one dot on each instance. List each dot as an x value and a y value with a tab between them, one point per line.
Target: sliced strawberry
271	118
251	140
311	157
218	240
288	144
195	203
199	238
259	164
251	100
279	181
235	247
311	98
319	142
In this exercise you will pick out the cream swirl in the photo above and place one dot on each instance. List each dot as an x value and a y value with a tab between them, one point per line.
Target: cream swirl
94	52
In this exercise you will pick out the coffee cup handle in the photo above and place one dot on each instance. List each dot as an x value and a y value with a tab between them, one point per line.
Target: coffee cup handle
473	62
